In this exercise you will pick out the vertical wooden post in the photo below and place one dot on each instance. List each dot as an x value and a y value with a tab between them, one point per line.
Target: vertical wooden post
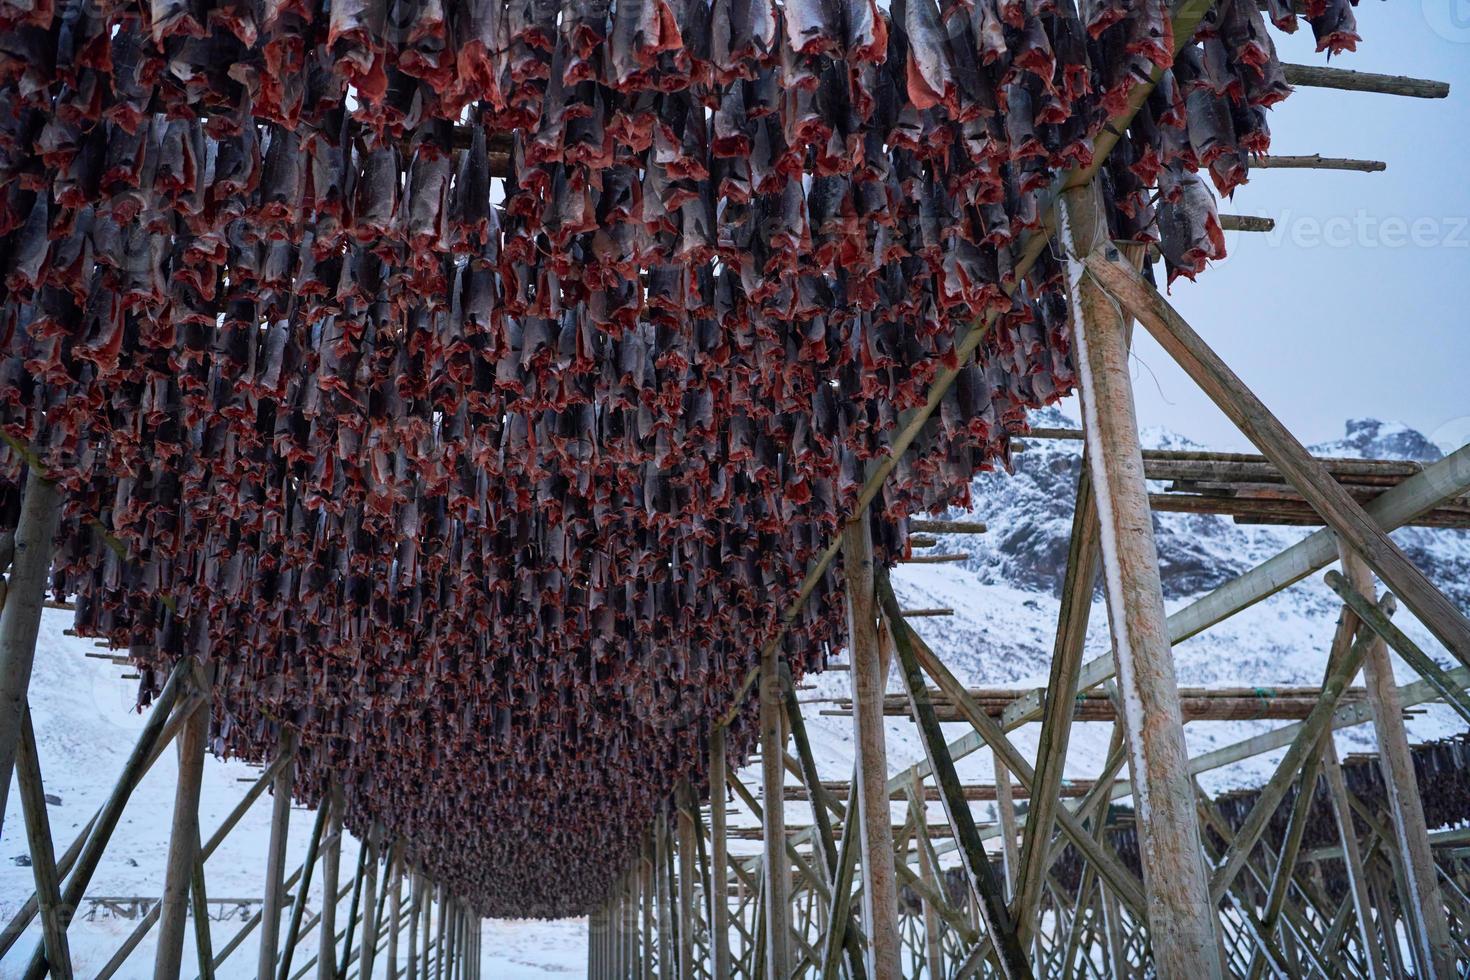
616	936
298	908
646	887
1429	930
275	862
1117	956
1181	918
199	907
326	961
773	827
442	935
20	616
395	910
43	856
880	884
933	951
183	845
719	927
661	884
1005	811
687	878
426	900
370	910
415	908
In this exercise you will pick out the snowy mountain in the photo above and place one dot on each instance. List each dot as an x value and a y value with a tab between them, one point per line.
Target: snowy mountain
1005	601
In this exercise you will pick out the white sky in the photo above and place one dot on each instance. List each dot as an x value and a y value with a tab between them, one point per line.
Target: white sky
1330	317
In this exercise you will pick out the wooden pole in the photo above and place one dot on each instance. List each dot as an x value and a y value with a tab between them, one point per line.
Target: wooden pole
275	862
1181	918
43	857
880	885
1352	861
1000	926
199	908
20	616
647	901
1307	475
774	860
298	907
107	817
687	877
371	910
933	949
1429	930
183	846
719	925
426	899
415	909
1024	871
395	909
1005	812
326	961
664	900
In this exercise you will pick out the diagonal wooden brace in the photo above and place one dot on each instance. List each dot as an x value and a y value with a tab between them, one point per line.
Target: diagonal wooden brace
1306	474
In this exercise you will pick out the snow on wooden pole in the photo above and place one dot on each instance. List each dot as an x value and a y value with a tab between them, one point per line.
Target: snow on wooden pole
20	616
880	880
183	845
1181	919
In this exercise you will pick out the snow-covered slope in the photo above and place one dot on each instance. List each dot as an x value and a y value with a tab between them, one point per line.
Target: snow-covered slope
1005	605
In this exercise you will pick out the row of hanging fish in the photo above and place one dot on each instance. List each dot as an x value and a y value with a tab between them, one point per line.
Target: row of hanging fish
474	382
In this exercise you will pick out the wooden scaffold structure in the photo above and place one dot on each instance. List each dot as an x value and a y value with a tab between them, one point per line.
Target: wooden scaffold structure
445	431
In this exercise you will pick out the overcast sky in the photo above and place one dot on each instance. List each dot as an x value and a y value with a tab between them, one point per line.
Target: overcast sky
1340	312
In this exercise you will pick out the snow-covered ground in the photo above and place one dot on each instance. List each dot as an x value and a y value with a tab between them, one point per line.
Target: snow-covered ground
1000	635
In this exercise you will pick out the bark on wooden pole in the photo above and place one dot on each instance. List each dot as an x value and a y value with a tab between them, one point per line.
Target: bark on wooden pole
183	846
415	909
773	828
43	855
275	862
1181	918
20	616
880	882
1429	929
